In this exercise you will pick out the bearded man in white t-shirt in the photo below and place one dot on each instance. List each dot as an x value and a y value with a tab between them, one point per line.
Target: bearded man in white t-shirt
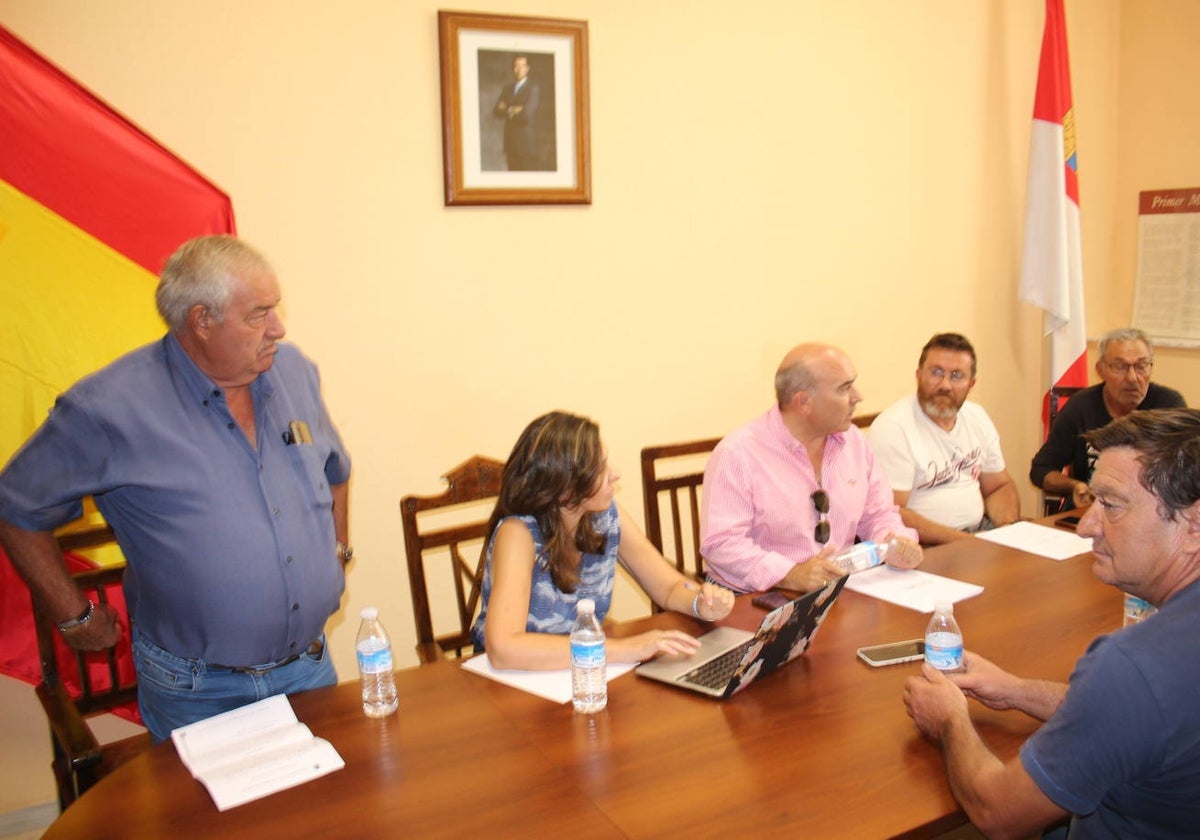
941	453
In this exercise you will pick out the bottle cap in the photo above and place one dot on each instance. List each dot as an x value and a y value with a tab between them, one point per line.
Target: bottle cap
943	606
370	613
585	605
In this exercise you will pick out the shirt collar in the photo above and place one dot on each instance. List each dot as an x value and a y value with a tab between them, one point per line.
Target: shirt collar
783	435
196	382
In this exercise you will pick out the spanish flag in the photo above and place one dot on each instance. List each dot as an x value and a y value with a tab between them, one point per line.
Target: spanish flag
90	208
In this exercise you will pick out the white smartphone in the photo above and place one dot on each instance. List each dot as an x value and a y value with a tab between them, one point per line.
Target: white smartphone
894	653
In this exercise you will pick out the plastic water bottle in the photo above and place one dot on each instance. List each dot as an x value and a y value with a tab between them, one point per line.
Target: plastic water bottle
943	640
375	666
1137	610
589	673
865	554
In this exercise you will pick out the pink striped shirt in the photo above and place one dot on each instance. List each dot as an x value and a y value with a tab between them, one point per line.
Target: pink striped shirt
757	517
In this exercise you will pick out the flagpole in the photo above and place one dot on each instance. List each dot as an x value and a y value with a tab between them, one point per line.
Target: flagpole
1051	258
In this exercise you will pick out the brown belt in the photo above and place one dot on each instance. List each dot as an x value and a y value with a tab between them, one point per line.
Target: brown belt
314	649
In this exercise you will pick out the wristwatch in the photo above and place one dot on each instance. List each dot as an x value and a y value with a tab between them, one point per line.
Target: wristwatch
79	620
345	553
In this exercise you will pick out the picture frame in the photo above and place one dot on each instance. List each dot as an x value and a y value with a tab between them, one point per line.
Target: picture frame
515	124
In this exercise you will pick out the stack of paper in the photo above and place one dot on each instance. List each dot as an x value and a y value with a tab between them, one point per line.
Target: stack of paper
254	751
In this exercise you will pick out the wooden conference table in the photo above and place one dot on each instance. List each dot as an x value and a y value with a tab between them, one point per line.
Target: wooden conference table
822	747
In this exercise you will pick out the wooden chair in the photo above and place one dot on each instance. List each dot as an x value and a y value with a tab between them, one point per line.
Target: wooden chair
80	760
683	493
471	483
682	488
1052	503
1058	398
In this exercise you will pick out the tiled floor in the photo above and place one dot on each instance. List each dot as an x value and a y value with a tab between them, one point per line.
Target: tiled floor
28	799
27	823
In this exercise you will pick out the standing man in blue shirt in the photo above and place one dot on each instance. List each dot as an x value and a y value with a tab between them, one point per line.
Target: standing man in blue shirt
212	456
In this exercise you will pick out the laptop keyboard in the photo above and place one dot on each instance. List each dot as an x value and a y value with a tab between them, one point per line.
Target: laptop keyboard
716	672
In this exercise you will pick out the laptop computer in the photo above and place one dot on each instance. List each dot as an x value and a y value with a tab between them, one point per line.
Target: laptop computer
729	659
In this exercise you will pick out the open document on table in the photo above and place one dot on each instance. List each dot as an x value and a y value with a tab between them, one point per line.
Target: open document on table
911	588
552	685
1054	543
253	751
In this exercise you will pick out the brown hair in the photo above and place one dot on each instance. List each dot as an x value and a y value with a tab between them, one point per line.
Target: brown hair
556	463
1167	443
949	341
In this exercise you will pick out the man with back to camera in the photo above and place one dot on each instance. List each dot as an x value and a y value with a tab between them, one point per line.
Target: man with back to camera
784	494
1120	749
1125	363
941	453
211	455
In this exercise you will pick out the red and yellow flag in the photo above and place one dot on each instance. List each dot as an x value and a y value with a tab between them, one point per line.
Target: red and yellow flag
90	208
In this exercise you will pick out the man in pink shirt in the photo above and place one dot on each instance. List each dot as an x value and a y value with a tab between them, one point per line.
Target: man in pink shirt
786	493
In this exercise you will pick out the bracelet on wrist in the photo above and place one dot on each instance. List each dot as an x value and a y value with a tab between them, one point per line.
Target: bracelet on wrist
79	620
696	609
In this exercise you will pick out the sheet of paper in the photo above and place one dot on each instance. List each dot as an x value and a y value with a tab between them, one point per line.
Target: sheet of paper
253	751
911	588
552	685
1044	540
254	778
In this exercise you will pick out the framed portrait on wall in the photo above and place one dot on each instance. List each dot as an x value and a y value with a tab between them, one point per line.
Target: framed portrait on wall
514	109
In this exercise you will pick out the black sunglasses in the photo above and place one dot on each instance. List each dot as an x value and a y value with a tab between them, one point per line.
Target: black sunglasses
820	501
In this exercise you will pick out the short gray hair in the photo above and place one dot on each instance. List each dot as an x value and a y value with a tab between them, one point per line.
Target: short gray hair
201	273
1124	334
791	380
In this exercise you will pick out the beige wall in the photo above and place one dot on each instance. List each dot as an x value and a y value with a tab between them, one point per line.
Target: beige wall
763	174
1159	139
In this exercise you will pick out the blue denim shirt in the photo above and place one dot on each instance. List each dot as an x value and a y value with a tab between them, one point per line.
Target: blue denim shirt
230	548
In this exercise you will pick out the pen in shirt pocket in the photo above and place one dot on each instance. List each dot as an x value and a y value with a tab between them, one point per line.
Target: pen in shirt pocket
297	433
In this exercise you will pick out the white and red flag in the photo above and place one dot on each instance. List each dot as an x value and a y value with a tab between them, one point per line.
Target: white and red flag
1052	261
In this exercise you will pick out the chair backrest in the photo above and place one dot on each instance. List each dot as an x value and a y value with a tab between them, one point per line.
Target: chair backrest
106	678
1052	503
76	685
677	470
682	489
470	485
1058	398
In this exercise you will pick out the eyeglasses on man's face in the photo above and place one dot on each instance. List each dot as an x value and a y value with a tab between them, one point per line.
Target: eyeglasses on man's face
937	374
1141	367
820	500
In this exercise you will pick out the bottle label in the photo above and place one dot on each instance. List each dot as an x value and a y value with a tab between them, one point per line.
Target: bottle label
1137	610
944	651
374	659
863	556
587	654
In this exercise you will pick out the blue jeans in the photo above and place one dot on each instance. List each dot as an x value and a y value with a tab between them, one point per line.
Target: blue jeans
173	691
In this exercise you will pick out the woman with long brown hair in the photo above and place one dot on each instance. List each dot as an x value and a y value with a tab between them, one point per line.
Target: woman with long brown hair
557	535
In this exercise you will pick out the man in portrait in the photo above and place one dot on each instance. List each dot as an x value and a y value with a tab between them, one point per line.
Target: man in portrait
518	106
